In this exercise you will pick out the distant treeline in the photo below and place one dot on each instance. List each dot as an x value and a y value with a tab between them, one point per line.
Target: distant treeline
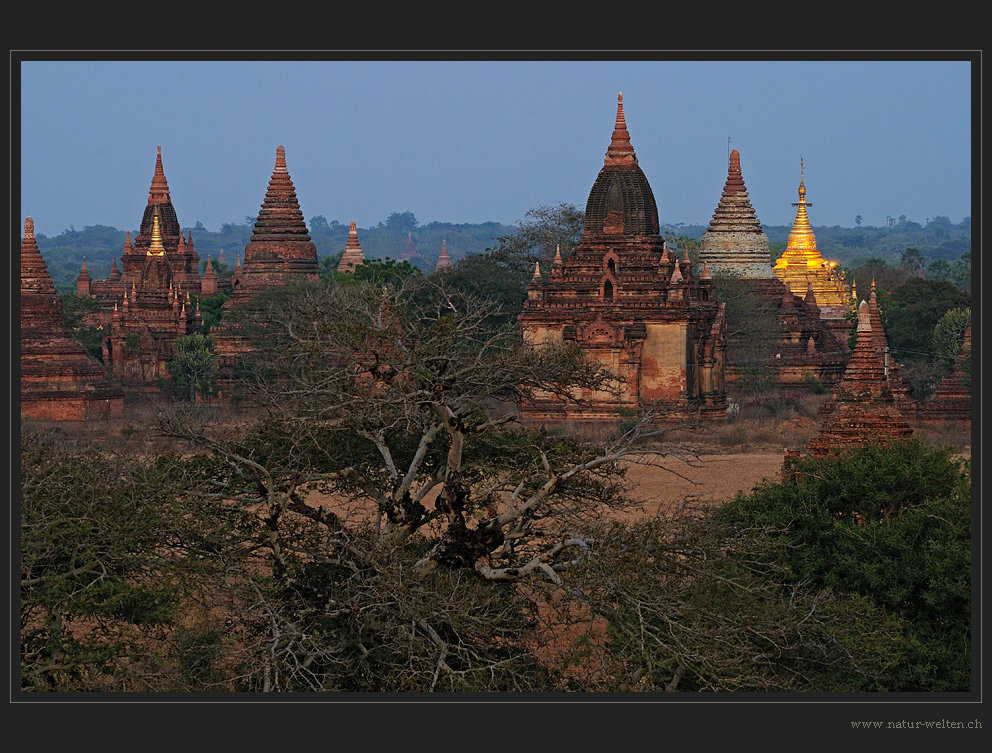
939	239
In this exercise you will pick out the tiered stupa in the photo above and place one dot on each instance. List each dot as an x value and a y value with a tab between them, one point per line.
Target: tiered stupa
280	248
444	259
802	267
630	304
154	312
734	242
953	399
890	367
184	262
278	253
864	410
59	381
353	255
734	245
409	252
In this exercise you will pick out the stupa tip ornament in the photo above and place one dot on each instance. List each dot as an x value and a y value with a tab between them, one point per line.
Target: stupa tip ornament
620	151
159	191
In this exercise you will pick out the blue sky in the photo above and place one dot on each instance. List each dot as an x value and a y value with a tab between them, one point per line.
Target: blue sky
479	140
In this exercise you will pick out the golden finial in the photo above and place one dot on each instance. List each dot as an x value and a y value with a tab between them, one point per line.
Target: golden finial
156	248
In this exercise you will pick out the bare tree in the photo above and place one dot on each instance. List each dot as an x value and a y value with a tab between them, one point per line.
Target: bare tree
404	397
400	401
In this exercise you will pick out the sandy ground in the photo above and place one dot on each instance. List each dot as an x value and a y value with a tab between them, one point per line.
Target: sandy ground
707	478
655	483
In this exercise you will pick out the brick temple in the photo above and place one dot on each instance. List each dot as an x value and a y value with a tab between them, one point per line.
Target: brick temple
630	304
59	380
735	245
151	299
154	313
280	248
183	261
279	252
863	409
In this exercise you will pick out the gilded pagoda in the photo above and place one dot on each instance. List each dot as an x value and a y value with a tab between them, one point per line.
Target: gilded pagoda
735	248
802	268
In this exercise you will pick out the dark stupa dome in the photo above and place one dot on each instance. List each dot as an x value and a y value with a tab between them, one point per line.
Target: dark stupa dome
621	200
159	203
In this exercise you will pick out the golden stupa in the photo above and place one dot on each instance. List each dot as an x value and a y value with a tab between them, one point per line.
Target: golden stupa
156	248
801	266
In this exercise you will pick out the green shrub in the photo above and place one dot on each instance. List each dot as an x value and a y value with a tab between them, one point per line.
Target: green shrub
892	525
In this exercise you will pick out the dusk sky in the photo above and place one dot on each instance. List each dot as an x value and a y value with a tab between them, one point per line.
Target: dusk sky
469	141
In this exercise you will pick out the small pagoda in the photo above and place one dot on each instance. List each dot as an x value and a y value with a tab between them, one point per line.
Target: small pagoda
953	399
444	258
864	409
734	241
353	256
409	252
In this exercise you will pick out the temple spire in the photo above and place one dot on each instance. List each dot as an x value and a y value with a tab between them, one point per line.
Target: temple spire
159	191
620	151
801	236
280	217
353	255
34	272
735	241
444	259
